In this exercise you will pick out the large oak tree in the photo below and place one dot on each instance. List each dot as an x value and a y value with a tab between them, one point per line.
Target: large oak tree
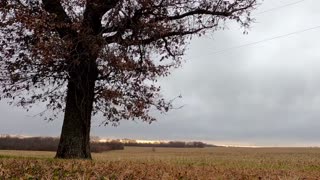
100	56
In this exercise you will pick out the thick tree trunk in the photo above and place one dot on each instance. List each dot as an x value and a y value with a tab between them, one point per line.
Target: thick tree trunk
75	135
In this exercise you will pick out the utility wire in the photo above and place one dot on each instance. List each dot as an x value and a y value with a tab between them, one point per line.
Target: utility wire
265	40
271	38
280	7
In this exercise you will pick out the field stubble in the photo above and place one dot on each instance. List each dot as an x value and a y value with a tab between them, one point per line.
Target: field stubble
167	163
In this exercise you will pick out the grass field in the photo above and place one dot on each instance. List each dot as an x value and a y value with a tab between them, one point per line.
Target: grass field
167	163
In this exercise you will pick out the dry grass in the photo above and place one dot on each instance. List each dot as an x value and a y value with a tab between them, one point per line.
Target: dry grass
167	163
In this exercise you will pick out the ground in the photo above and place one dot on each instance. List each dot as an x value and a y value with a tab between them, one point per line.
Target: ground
167	163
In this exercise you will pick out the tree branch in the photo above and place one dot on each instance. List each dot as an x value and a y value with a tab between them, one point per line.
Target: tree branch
55	7
146	17
130	42
95	9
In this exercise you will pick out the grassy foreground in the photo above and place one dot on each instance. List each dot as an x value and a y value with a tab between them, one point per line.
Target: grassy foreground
167	163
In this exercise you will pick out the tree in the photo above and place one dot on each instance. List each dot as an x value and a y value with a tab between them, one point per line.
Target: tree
100	56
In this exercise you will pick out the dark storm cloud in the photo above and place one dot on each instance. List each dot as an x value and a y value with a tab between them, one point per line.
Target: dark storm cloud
264	94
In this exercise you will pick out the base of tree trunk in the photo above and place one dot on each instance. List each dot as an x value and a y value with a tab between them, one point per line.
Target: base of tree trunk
73	149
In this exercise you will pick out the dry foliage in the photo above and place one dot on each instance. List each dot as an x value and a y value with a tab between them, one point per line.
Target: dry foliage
169	163
113	49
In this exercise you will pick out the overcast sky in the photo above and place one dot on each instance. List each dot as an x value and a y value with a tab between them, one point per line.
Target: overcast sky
266	94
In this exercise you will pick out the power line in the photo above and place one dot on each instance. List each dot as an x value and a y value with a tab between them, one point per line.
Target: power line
280	7
265	40
272	38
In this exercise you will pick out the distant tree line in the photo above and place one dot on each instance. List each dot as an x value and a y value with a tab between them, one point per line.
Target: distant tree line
50	144
173	144
8	142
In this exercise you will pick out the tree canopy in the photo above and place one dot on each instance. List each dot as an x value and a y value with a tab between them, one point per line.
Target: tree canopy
117	47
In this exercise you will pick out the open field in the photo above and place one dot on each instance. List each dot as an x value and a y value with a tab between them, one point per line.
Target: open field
167	163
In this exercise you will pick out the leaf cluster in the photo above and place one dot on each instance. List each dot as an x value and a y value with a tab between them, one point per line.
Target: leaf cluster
132	43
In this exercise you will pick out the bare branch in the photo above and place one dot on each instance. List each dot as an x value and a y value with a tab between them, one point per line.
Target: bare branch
54	7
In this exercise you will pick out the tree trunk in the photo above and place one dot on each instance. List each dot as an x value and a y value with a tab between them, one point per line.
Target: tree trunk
75	135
